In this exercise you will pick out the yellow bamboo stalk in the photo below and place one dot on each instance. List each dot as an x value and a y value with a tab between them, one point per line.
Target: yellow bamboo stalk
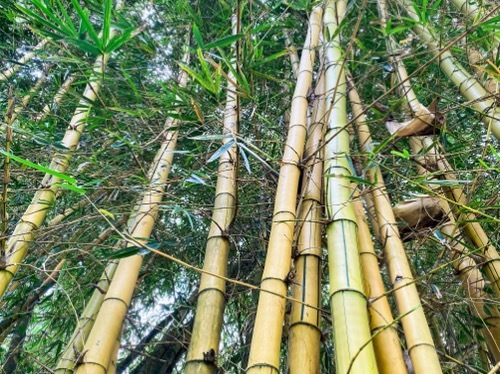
36	212
386	343
481	100
351	331
468	220
265	346
101	341
6	74
304	332
205	338
467	269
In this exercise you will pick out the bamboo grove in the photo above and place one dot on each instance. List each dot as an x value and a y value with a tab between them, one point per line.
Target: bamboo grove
250	186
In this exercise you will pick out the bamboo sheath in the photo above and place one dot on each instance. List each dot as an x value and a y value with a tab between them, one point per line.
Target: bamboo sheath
305	333
265	346
36	212
101	342
481	100
386	343
207	328
351	331
467	269
6	74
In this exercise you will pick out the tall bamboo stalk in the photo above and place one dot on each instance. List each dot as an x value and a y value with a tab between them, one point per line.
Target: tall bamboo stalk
36	212
467	269
6	74
481	100
386	343
207	328
101	341
351	331
265	346
305	333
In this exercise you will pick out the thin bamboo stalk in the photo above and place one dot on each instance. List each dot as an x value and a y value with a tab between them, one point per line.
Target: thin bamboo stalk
109	321
265	346
292	52
467	269
36	212
304	332
211	297
481	100
354	351
467	220
6	74
57	98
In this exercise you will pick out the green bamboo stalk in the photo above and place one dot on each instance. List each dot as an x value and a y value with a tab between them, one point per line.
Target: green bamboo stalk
265	346
207	328
101	341
351	331
481	100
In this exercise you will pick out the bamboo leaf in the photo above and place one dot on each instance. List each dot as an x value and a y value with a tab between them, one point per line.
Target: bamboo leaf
221	151
197	36
86	21
106	25
245	160
222	42
201	80
30	164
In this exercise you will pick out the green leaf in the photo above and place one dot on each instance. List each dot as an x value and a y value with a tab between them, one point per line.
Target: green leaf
197	36
201	80
222	42
86	21
106	25
47	170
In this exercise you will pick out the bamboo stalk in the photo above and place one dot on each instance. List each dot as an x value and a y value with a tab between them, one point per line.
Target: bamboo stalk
207	328
100	343
354	351
481	100
387	347
467	269
6	74
265	346
304	332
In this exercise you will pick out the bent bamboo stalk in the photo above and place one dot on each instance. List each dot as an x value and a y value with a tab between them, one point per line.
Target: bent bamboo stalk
265	346
468	220
100	344
351	331
207	328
